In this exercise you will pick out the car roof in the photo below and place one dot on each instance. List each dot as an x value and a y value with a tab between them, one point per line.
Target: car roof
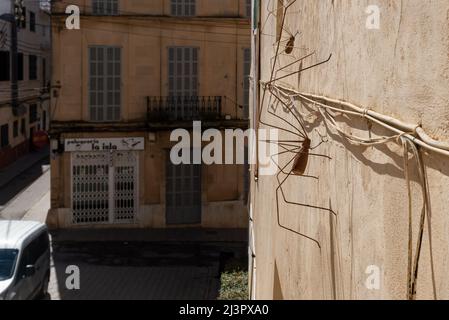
13	233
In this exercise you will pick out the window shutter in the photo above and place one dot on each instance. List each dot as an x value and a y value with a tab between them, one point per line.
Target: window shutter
183	7
246	74
105	83
105	7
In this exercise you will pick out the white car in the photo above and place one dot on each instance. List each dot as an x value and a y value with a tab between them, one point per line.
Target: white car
24	260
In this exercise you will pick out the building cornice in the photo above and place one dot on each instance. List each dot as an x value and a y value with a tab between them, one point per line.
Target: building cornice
58	127
160	17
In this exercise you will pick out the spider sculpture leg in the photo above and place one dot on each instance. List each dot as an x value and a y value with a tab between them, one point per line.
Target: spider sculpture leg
278	209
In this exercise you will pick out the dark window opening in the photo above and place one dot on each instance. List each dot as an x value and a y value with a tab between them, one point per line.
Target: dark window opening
15	131
33	113
20	66
32	22
32	59
44	72
4	133
23	23
44	120
4	66
23	127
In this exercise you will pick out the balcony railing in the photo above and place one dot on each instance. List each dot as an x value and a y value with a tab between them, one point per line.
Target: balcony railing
184	108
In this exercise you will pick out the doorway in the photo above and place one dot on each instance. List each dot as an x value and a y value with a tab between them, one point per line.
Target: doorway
183	193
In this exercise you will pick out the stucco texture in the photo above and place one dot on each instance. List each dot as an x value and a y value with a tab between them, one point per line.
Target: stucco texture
400	70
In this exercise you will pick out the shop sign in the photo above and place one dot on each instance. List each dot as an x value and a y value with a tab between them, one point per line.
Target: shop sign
107	144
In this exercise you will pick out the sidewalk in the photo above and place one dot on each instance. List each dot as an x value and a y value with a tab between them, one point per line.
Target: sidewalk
40	210
33	202
20	165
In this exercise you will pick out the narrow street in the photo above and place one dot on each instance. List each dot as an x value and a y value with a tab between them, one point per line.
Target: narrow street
136	270
147	267
150	266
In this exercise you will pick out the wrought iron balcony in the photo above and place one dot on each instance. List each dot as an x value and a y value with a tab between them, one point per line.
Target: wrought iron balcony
184	108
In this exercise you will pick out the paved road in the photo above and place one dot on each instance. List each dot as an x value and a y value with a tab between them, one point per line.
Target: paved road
139	271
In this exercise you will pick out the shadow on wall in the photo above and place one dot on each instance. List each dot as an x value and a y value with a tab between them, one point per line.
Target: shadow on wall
387	161
277	289
393	169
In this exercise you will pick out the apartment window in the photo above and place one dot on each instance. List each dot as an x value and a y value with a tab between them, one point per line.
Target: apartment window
4	65
4	136
246	74
33	113
183	71
20	66
32	22
23	23
183	7
246	176
248	8
105	7
104	83
44	72
32	67
44	120
23	126
15	131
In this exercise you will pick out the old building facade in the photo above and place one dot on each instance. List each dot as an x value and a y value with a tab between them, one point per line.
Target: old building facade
359	91
131	74
19	121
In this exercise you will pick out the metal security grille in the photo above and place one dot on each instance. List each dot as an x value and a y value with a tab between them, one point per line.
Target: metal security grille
104	187
90	187
104	83
105	7
183	7
246	74
125	193
183	193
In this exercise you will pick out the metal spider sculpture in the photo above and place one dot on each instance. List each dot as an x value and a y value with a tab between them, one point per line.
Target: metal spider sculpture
301	145
300	149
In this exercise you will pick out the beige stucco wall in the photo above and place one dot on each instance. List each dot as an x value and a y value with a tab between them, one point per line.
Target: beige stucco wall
400	70
144	61
144	30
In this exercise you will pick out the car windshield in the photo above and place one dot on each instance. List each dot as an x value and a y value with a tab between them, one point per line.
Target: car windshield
8	259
